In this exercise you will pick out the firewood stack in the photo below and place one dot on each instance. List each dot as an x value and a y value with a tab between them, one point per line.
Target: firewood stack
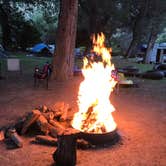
47	123
51	121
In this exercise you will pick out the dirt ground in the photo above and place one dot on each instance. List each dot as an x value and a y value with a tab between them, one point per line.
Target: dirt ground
140	115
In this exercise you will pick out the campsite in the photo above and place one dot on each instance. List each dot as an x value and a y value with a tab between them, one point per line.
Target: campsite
140	114
82	82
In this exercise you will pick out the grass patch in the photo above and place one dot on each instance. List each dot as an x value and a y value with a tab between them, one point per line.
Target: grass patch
121	62
27	63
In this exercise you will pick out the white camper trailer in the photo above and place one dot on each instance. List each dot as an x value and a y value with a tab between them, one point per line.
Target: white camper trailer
158	53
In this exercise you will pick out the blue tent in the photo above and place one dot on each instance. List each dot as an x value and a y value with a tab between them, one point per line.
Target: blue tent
39	47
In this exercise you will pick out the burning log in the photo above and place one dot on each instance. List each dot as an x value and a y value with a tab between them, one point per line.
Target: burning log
48	140
15	137
30	120
90	119
66	149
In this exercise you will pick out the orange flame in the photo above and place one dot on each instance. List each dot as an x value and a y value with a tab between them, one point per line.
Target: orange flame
94	115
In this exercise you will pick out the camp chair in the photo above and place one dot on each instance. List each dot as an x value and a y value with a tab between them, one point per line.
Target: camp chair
42	75
14	65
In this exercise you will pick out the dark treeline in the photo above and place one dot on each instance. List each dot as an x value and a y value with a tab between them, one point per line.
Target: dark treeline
132	21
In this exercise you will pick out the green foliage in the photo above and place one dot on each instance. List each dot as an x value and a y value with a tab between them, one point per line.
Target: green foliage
162	37
0	34
24	29
28	63
24	33
46	25
28	35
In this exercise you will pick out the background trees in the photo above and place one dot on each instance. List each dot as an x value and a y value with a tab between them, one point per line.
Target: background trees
126	24
130	20
146	25
20	29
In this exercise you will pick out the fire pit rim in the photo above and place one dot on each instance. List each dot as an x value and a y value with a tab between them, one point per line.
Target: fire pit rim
100	138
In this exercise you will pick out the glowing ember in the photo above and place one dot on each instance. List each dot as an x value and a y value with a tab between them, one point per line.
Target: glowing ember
94	115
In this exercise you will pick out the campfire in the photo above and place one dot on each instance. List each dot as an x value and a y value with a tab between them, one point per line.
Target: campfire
94	115
92	125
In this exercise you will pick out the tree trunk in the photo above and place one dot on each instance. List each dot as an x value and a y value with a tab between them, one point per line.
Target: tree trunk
63	60
132	48
131	51
65	155
155	23
151	42
6	29
138	29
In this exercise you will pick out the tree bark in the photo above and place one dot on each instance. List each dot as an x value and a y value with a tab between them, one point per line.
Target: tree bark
65	155
138	29
6	28
63	60
132	48
155	22
151	42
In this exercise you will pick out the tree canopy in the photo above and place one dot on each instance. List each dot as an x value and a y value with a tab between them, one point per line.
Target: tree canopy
135	21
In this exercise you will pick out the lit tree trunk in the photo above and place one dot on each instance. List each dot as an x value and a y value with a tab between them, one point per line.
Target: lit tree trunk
63	60
135	39
138	29
151	42
131	51
155	28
